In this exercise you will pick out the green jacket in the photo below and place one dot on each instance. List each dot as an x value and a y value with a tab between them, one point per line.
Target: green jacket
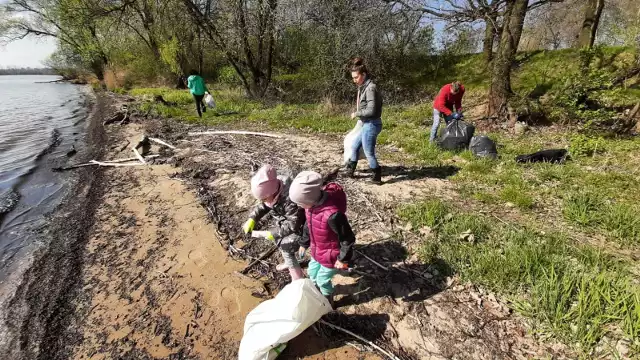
196	85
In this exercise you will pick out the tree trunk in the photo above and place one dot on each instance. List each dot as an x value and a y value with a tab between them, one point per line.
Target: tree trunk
490	32
500	91
592	13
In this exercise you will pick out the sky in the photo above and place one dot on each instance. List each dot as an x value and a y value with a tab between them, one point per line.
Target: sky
28	52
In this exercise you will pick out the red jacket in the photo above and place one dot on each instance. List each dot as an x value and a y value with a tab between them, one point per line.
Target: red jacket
445	101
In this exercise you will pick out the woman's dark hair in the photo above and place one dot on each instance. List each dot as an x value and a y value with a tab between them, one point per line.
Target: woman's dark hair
193	72
357	64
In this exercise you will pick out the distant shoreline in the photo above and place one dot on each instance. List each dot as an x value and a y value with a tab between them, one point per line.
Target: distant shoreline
28	71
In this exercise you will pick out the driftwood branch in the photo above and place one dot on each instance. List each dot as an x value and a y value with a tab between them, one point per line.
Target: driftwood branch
122	116
336	327
138	156
262	257
51	82
117	164
234	132
95	163
162	143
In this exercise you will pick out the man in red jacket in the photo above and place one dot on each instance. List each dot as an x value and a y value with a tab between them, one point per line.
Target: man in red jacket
449	104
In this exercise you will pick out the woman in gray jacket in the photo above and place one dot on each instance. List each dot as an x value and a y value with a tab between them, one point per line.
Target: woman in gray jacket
369	110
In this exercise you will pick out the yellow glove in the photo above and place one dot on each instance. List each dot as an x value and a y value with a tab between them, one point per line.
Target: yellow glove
248	226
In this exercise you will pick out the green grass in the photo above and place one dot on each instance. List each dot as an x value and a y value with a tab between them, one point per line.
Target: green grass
517	196
429	213
575	292
590	210
583	208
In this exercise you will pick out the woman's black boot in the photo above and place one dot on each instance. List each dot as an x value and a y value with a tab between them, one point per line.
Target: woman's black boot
377	176
350	169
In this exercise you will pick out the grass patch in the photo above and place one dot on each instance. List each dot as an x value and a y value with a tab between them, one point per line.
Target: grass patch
623	222
485	197
517	196
582	208
427	213
576	293
620	220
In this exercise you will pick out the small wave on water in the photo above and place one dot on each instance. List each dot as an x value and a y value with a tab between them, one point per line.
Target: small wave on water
40	125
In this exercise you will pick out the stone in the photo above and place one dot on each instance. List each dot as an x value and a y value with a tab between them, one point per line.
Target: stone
520	128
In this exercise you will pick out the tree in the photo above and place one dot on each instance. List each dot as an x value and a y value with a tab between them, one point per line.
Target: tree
552	27
500	90
592	13
73	22
244	30
467	12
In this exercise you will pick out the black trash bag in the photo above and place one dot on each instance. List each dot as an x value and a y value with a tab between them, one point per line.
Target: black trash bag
557	156
456	135
482	146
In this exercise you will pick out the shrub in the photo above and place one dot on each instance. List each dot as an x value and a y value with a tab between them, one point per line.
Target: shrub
582	145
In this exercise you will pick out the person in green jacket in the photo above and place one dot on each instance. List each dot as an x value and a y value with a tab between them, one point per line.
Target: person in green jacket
198	89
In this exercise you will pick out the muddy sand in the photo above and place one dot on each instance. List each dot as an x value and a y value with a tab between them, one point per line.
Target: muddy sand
147	265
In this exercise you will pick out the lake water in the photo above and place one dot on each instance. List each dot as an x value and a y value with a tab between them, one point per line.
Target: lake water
41	125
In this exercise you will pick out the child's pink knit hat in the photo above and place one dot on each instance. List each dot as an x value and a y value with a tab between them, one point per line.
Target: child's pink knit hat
265	182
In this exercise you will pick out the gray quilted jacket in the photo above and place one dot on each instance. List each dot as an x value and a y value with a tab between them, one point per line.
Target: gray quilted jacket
370	102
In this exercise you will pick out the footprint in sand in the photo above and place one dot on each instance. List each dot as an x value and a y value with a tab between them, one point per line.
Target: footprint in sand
229	300
198	258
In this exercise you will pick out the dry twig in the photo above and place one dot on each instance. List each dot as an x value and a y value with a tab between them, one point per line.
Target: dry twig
388	354
234	132
262	257
116	164
135	151
161	142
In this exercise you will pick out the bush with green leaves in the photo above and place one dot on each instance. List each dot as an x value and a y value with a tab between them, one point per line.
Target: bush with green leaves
584	145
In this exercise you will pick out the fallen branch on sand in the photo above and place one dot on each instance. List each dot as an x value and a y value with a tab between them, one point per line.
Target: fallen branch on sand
121	116
262	257
117	164
94	163
373	261
234	132
162	143
388	354
124	146
135	151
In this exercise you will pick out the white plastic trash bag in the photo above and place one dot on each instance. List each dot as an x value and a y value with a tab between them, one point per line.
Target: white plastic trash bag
349	140
208	99
274	322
